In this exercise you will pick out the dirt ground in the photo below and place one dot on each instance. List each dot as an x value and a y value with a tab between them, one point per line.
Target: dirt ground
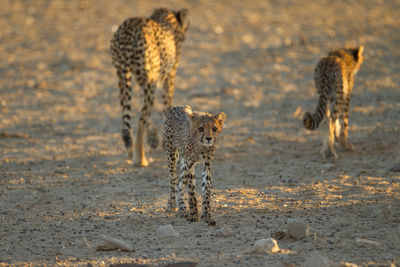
64	173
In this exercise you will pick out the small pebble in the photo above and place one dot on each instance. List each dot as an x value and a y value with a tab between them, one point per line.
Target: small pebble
298	229
265	246
224	231
167	231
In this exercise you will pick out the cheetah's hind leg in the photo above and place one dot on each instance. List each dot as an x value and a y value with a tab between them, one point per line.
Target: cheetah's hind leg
148	88
328	150
172	155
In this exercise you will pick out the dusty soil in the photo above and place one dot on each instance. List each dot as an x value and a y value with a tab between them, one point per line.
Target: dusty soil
65	176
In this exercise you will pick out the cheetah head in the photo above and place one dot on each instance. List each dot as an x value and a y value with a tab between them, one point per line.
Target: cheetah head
177	19
207	127
357	54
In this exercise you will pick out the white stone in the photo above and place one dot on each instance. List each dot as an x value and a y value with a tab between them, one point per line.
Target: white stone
328	165
167	231
264	246
298	229
364	242
111	243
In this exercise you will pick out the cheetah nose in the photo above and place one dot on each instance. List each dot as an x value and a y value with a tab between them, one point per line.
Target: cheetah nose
208	139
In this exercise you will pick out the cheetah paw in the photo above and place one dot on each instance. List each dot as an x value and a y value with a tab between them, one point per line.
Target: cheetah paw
182	213
130	154
141	162
171	206
193	217
348	146
209	220
329	154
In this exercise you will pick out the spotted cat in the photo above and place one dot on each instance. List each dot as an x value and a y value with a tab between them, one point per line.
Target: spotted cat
191	136
149	49
334	79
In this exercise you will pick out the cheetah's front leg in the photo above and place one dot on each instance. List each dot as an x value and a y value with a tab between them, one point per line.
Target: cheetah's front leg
172	158
180	200
206	190
193	211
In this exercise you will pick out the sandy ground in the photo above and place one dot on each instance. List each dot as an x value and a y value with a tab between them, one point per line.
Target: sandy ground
63	170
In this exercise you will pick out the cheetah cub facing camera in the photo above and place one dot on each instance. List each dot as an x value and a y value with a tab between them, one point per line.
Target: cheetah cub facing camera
334	79
192	136
149	49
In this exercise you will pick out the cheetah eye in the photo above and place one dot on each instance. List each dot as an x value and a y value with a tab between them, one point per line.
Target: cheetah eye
214	129
201	129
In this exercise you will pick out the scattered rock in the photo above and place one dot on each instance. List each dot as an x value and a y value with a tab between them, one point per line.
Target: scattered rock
224	231
395	168
167	231
298	229
364	242
264	246
111	243
315	260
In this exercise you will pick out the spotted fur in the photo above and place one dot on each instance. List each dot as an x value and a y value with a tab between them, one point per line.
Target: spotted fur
334	79
191	136
149	50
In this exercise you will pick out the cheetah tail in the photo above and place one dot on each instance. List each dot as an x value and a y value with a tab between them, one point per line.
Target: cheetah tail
312	121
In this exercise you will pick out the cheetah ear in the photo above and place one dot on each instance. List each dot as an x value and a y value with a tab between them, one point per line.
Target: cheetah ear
221	118
360	51
182	16
357	52
189	112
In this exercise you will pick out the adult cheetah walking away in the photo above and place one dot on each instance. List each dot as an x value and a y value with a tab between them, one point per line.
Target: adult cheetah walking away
149	49
192	136
334	79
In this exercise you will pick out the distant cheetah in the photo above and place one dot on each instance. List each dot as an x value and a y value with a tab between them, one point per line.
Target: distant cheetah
192	136
148	48
334	79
